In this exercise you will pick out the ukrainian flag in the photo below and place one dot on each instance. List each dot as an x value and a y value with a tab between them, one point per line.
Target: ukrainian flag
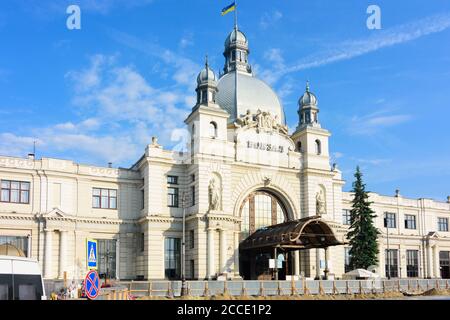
229	8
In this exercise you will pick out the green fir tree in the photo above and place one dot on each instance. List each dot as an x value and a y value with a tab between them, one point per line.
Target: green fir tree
362	233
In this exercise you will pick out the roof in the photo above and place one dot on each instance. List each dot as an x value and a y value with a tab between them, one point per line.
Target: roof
253	94
305	233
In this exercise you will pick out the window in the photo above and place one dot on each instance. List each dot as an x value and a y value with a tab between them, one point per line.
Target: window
213	129
389	220
20	243
412	263
192	239
233	55
142	199
172	179
193	195
193	178
443	224
106	258
299	146
347	257
172	197
410	221
204	96
391	263
192	269
141	245
346	217
104	198
318	147
260	209
15	191
172	261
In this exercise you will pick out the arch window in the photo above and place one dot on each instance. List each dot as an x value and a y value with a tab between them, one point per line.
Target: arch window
261	209
213	129
299	146
318	147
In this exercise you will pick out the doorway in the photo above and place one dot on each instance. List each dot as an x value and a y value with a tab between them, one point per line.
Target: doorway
444	263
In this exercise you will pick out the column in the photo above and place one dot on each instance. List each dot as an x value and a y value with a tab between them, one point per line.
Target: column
317	263
48	253
327	270
118	258
62	253
437	269
429	258
236	255
223	250
211	264
297	263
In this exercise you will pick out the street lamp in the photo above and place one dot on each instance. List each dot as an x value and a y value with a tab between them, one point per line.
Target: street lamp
183	247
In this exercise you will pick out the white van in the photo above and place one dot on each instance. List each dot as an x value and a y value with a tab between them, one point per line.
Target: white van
20	279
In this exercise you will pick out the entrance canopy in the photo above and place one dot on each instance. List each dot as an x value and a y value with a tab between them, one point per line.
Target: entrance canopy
306	233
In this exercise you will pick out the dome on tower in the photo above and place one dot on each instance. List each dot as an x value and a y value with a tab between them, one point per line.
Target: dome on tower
308	98
235	36
206	74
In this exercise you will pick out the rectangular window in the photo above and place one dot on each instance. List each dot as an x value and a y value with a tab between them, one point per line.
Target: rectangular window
192	239
142	199
172	259
412	263
389	220
410	221
142	242
346	217
193	195
347	267
20	243
172	197
443	224
192	269
106	250
104	198
172	179
15	191
391	263
193	178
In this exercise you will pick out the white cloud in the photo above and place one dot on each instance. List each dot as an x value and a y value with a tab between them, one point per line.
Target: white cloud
374	122
353	48
185	70
269	19
119	111
187	40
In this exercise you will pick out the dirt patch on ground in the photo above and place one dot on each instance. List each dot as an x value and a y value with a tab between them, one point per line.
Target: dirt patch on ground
291	297
436	292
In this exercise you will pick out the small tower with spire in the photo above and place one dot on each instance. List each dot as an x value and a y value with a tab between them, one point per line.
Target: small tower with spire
236	52
308	110
310	138
206	86
207	122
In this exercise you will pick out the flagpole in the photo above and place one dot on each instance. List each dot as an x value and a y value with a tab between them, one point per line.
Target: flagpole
235	61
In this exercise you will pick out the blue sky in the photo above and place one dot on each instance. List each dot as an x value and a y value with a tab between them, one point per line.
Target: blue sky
98	94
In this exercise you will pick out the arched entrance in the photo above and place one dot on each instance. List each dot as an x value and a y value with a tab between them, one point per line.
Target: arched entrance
260	209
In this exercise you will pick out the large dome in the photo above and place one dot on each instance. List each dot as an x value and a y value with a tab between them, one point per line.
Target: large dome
253	95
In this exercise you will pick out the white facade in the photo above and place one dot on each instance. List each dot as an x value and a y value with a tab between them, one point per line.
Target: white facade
241	171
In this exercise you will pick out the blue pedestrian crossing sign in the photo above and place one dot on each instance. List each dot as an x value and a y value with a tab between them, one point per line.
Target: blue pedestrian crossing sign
91	251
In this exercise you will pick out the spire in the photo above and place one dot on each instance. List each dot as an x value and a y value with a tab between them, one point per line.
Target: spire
206	62
307	85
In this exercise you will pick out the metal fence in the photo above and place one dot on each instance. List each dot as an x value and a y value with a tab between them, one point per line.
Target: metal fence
284	288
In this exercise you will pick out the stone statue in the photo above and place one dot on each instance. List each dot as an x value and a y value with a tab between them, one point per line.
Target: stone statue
214	195
320	203
259	118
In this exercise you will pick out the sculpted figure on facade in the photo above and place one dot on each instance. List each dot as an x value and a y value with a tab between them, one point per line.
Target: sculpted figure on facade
320	202
262	121
215	195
